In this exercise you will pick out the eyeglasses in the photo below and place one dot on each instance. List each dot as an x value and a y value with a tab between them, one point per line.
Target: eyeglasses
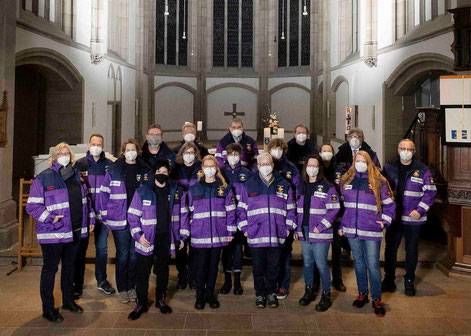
63	154
412	150
190	153
209	167
264	164
311	166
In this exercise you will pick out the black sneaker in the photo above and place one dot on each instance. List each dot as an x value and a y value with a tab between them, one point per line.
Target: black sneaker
282	294
261	302
238	290
181	285
309	296
200	302
409	289
360	301
162	306
73	307
212	301
53	316
106	288
272	301
338	285
388	285
227	286
324	303
378	307
192	284
137	312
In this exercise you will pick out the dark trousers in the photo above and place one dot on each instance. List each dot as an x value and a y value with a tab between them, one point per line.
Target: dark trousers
79	273
101	246
52	255
184	260
206	260
336	257
126	260
284	276
393	239
159	260
266	269
232	255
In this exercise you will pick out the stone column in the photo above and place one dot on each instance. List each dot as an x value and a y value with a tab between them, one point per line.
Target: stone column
369	51
8	222
67	17
325	55
97	41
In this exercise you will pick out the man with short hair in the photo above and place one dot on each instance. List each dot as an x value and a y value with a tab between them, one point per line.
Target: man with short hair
300	147
414	190
236	134
189	135
93	168
355	143
155	148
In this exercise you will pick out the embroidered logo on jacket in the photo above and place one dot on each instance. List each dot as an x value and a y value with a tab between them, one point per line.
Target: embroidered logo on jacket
334	198
138	177
280	188
242	177
177	195
200	173
288	175
146	177
50	188
221	191
249	148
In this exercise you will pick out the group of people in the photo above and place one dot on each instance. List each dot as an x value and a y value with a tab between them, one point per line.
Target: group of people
157	201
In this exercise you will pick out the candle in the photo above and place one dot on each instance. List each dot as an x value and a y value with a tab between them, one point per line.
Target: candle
281	133
199	126
266	138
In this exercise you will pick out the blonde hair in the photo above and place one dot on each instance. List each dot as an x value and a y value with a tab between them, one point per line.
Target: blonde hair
218	171
188	124
57	149
264	155
375	179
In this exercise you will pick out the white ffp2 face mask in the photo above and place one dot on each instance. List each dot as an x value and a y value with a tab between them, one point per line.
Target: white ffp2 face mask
361	167
265	170
236	133
301	137
96	150
405	155
131	155
312	171
189	137
209	172
64	160
233	159
327	156
276	153
188	158
355	143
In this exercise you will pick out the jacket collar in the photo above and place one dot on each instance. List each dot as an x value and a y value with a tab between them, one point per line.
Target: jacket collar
92	159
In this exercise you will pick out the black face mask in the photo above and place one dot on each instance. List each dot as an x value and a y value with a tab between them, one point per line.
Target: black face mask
161	178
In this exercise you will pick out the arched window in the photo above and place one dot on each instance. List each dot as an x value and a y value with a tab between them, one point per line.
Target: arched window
171	32
233	33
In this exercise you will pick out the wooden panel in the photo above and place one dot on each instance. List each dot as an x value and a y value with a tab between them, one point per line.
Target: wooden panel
466	222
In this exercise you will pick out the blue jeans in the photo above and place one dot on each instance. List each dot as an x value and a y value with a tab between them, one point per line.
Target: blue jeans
315	254
366	257
101	246
126	260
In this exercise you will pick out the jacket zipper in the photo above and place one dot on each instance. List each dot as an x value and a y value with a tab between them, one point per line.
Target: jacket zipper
210	213
269	217
356	211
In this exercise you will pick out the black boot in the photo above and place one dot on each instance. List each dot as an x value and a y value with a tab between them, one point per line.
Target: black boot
309	296
161	305
53	316
237	285
338	285
388	285
409	289
324	303
226	287
137	312
200	301
212	301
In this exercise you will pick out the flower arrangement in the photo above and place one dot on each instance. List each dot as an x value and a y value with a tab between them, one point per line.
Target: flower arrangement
271	120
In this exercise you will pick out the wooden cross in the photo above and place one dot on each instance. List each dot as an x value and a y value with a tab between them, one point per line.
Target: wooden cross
234	112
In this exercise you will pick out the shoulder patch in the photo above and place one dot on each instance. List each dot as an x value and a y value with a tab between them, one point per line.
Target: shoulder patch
146	177
288	175
334	197
220	191
138	177
242	177
280	188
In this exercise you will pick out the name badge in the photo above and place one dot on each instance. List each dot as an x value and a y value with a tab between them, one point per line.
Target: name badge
146	202
417	180
320	194
115	183
348	187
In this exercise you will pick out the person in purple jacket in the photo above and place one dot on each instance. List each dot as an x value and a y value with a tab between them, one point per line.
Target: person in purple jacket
277	149
318	206
236	134
266	215
414	190
122	179
369	208
58	201
93	168
186	171
155	217
212	226
232	255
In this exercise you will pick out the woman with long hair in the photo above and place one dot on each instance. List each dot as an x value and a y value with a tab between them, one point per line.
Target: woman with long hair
211	203
369	208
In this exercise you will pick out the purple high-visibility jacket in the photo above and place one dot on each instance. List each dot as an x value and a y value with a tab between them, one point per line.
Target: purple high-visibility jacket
142	217
113	196
93	174
48	198
266	212
324	208
248	157
212	214
361	216
419	190
179	174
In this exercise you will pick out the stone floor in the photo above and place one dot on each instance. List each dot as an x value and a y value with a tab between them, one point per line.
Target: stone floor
442	307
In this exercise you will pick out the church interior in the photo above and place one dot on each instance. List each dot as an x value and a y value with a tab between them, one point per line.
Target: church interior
71	69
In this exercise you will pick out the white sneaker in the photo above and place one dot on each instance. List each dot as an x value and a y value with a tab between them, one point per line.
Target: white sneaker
124	297
132	295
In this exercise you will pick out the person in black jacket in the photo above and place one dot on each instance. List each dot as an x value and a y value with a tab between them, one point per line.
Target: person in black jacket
355	143
189	135
155	148
300	147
